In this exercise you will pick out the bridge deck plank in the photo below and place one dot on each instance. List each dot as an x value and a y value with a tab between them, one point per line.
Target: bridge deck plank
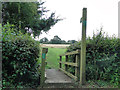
56	76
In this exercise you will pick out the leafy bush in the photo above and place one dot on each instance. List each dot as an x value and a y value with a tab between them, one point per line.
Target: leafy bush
102	57
20	53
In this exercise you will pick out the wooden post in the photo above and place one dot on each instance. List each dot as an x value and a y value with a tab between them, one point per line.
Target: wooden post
44	52
77	69
0	15
60	61
1	45
83	48
119	19
66	60
19	16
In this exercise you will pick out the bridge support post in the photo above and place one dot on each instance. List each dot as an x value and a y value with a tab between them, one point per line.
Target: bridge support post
60	64
83	48
119	19
42	70
66	66
77	69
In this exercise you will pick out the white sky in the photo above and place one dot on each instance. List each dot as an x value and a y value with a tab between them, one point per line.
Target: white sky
99	13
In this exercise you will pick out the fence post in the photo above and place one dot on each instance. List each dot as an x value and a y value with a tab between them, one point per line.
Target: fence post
83	48
77	69
60	63
119	19
44	52
66	60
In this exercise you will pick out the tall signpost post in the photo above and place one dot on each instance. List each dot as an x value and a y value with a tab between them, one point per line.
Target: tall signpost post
83	47
44	52
119	19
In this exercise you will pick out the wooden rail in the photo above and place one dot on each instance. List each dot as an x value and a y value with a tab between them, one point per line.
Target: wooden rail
76	64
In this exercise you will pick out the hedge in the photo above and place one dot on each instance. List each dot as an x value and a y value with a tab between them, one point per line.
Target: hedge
102	58
20	54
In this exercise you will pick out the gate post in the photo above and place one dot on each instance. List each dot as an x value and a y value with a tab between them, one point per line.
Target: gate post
83	48
119	19
77	69
42	70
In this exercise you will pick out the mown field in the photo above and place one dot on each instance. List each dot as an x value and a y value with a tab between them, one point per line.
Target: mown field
52	58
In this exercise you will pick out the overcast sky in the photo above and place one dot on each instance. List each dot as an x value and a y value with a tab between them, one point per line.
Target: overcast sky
100	13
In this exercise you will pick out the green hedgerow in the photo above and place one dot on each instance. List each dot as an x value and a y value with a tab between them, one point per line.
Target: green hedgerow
20	54
102	57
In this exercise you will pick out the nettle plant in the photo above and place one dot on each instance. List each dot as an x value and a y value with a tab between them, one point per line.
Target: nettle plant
20	54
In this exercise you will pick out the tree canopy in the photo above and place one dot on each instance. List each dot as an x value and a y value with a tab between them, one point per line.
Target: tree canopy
28	16
44	40
55	40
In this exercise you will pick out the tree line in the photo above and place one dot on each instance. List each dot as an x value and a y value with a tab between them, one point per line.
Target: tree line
56	40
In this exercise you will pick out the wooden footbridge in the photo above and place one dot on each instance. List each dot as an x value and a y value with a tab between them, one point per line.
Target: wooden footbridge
56	76
62	75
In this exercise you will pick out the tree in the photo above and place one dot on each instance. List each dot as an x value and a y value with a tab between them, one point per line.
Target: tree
63	41
72	41
44	40
55	40
28	16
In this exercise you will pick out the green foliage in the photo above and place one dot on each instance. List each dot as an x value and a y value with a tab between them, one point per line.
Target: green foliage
44	40
72	41
28	16
55	40
102	58
20	53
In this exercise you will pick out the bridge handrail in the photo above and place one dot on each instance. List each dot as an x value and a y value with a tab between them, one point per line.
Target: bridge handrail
71	53
76	64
